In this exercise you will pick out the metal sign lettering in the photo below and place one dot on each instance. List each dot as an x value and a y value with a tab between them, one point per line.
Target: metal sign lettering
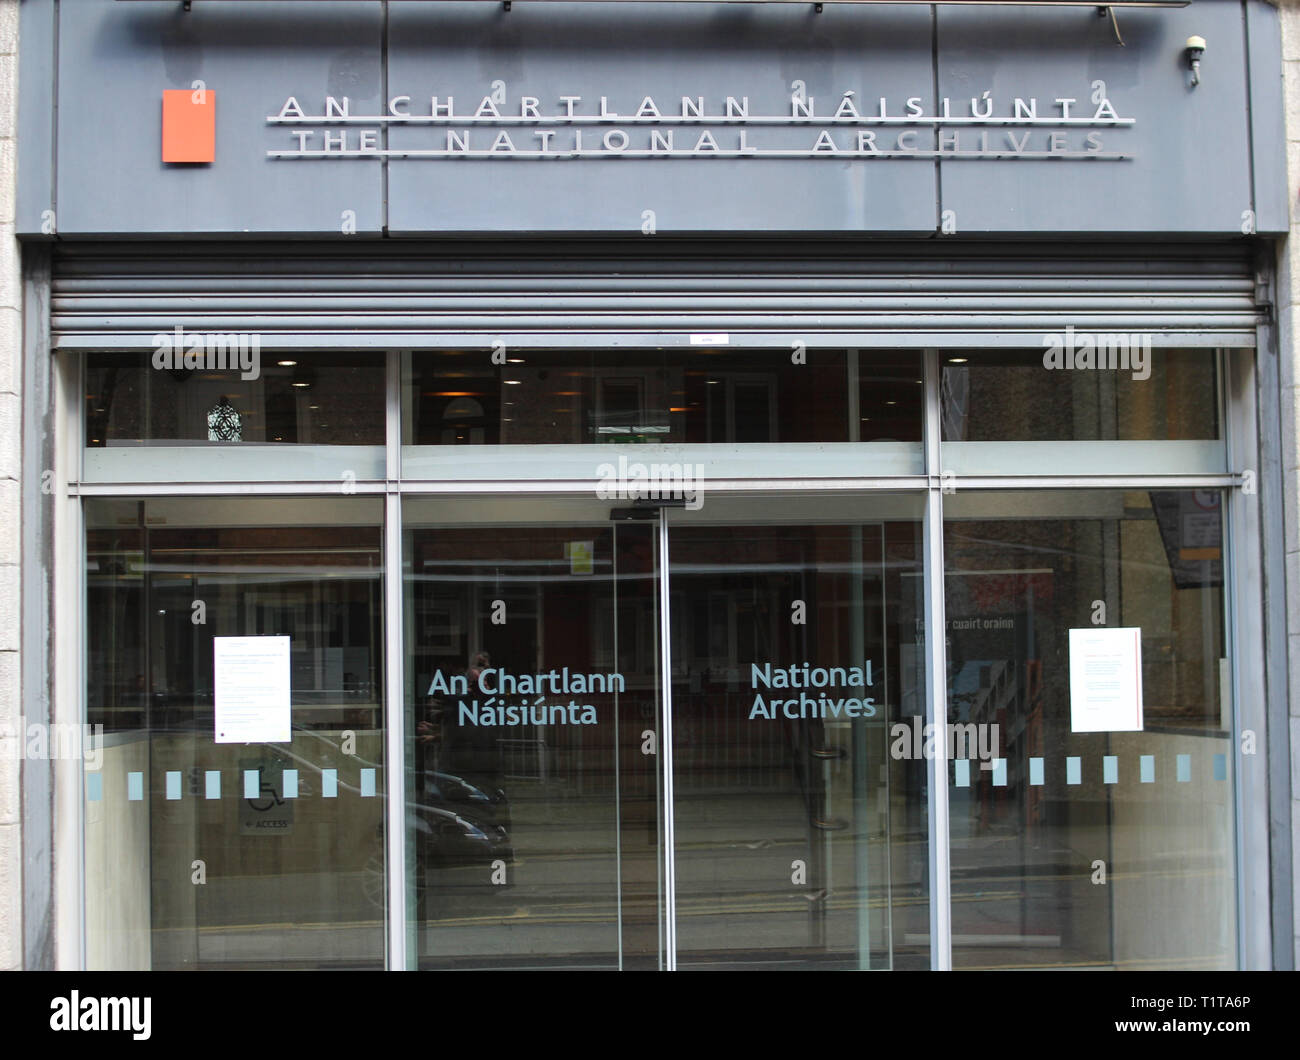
1062	127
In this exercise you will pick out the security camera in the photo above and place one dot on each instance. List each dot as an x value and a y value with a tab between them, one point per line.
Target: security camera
1195	49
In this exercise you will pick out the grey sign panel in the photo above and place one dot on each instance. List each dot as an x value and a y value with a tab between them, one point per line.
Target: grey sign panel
1268	122
759	174
438	118
35	198
1187	152
116	59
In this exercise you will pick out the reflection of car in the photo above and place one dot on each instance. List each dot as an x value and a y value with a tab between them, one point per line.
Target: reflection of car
456	793
445	838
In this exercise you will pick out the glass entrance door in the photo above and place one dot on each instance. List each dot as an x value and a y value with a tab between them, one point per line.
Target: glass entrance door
534	832
796	655
554	820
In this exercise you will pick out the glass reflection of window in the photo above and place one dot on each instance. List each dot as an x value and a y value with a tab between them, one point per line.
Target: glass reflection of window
319	398
718	396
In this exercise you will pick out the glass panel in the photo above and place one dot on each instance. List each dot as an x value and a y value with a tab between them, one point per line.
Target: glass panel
1088	831
267	852
285	415
800	818
534	831
1028	412
1025	395
292	398
705	395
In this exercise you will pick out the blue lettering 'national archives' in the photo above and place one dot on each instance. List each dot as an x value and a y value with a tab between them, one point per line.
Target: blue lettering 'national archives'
802	676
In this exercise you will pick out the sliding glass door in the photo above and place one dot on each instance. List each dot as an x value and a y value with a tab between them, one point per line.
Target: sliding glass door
543	783
797	648
534	812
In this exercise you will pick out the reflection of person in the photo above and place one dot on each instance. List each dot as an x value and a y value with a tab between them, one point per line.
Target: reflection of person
138	696
430	731
482	660
472	749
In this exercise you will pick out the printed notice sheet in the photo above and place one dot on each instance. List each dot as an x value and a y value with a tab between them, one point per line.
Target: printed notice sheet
251	686
1106	680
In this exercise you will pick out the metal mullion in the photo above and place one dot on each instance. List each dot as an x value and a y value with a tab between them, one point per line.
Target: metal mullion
581	487
936	684
666	752
393	418
1230	614
899	484
618	778
77	422
1209	480
70	543
394	700
223	489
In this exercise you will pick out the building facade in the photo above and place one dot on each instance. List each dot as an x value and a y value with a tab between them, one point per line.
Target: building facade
650	485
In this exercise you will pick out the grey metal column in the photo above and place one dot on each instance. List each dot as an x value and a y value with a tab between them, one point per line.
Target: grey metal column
936	679
1272	517
394	657
1252	695
71	640
37	702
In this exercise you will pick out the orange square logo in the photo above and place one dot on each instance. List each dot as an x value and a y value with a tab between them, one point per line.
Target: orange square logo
189	125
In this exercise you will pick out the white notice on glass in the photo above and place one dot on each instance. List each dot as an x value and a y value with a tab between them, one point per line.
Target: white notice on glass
251	687
1106	680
